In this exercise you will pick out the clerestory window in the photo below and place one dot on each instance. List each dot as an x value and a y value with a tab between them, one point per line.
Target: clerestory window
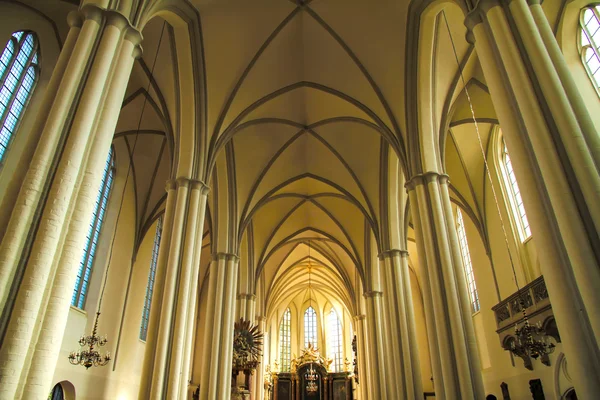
285	340
151	277
468	266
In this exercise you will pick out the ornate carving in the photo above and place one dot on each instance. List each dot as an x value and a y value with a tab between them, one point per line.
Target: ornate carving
515	304
310	355
502	313
539	291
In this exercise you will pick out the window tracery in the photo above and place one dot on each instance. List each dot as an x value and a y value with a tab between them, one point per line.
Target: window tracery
285	343
335	340
589	42
310	327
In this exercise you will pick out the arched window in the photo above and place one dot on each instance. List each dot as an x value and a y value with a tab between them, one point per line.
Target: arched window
150	286
285	340
91	240
589	42
466	256
18	75
310	327
57	393
335	340
514	194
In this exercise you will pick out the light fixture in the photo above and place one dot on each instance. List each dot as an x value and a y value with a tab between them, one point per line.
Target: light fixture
311	378
90	357
530	340
87	355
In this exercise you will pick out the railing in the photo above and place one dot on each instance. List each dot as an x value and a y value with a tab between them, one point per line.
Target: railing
535	298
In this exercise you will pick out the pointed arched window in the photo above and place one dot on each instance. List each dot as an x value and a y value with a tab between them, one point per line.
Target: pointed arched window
589	42
151	276
19	70
285	340
91	240
334	335
310	327
466	256
514	194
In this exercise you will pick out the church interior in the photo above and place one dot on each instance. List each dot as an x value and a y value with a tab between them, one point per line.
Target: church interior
299	199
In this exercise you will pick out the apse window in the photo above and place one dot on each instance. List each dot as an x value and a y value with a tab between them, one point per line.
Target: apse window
93	233
589	42
466	256
19	70
285	340
514	195
151	277
310	327
335	340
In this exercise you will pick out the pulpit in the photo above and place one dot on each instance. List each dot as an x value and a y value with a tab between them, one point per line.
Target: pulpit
310	379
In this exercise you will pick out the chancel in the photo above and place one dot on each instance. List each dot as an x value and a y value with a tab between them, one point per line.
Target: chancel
299	199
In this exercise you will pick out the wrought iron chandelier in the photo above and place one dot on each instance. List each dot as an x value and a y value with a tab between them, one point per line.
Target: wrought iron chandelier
87	355
311	377
530	340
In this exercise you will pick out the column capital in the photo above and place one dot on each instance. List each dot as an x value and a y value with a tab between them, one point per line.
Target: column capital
360	317
373	293
194	184
392	253
247	296
170	185
424	178
75	19
261	318
225	256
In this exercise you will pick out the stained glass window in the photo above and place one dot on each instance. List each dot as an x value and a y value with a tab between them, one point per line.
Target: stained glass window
19	70
515	200
91	240
310	327
151	276
334	335
589	38
285	340
466	256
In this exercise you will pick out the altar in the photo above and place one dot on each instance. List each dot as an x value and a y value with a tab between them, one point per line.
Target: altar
310	379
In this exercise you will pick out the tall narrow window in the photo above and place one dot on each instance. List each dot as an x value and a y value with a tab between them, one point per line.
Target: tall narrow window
310	327
18	74
514	194
464	249
335	340
589	38
150	286
91	240
285	340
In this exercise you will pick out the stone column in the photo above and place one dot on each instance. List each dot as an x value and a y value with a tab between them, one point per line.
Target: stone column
554	204
53	222
363	371
401	321
159	286
217	349
173	329
54	321
52	118
257	388
375	349
447	307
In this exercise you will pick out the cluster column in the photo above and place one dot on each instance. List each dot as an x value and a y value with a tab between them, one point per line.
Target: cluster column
171	331
400	327
41	306
554	150
217	349
456	366
378	370
361	359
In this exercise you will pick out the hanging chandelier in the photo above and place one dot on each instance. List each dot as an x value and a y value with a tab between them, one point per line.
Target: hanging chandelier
87	356
311	378
530	340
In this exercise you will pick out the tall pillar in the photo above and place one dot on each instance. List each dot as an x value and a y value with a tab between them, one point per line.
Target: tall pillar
20	337
375	348
55	316
258	391
401	324
542	151
361	357
169	345
217	349
447	309
58	102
